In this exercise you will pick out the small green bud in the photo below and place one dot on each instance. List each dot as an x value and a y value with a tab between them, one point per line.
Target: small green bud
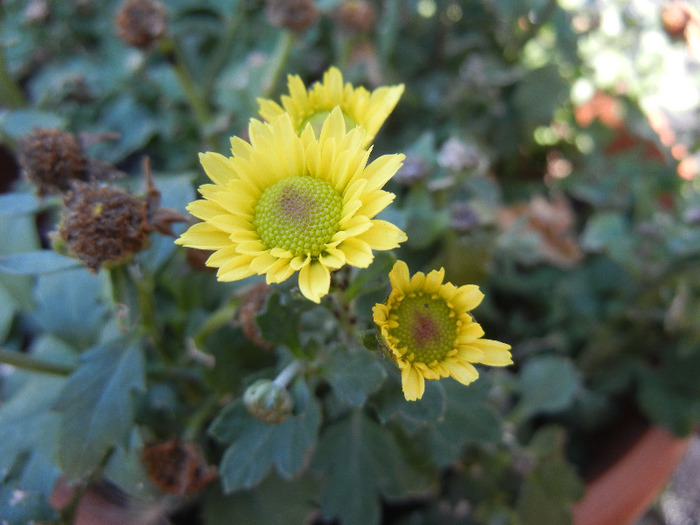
267	401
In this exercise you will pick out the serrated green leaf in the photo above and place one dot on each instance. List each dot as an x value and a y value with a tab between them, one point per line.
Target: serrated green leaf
96	405
467	419
257	446
412	415
280	321
357	452
353	374
547	384
36	262
273	502
27	424
71	305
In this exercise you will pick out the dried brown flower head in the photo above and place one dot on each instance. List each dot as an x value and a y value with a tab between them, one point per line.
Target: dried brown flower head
251	305
141	22
177	468
356	16
103	225
295	15
52	160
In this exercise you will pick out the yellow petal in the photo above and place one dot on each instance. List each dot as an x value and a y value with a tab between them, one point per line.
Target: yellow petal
357	252
399	276
217	167
373	203
314	281
465	373
383	235
269	109
413	383
467	298
204	236
495	352
381	170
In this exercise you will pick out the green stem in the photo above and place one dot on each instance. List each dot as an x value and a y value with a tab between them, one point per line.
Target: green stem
10	93
200	418
223	51
34	364
199	107
288	374
145	286
216	320
279	62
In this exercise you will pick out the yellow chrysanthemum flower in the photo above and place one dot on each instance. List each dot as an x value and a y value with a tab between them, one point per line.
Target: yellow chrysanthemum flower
428	328
285	203
360	107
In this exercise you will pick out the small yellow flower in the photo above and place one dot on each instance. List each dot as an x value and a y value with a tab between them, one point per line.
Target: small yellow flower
428	328
360	107
285	203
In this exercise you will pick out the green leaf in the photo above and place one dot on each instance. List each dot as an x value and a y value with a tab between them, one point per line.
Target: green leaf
467	419
18	204
353	374
603	231
356	452
373	278
280	321
547	384
20	507
293	503
257	446
71	305
19	122
17	235
8	309
27	425
36	262
96	405
412	415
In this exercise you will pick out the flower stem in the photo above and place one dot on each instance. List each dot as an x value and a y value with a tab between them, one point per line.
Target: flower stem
288	374
34	364
10	93
194	97
279	62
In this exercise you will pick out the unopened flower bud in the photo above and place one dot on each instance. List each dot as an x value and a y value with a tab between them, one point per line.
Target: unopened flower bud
295	15
103	225
52	160
268	402
141	23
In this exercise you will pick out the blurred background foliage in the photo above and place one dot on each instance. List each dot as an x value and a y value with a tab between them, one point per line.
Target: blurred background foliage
551	159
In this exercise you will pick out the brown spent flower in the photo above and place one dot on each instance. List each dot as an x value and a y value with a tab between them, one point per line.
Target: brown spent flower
356	16
252	303
141	22
295	15
52	160
177	468
103	225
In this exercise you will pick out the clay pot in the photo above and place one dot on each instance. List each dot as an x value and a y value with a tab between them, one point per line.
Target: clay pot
623	492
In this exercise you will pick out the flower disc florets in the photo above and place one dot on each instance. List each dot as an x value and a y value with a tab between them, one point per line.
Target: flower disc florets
360	107
431	334
287	203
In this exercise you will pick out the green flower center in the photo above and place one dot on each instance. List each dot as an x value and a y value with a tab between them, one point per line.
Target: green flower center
317	119
425	327
299	214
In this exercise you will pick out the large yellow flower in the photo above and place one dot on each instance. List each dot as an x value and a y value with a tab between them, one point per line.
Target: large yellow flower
428	328
285	203
360	107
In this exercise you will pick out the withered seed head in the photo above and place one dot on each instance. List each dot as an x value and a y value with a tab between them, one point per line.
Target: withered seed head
295	15
356	16
103	225
141	22
52	160
252	304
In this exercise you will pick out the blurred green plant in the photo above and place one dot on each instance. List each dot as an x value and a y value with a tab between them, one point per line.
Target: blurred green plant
542	144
